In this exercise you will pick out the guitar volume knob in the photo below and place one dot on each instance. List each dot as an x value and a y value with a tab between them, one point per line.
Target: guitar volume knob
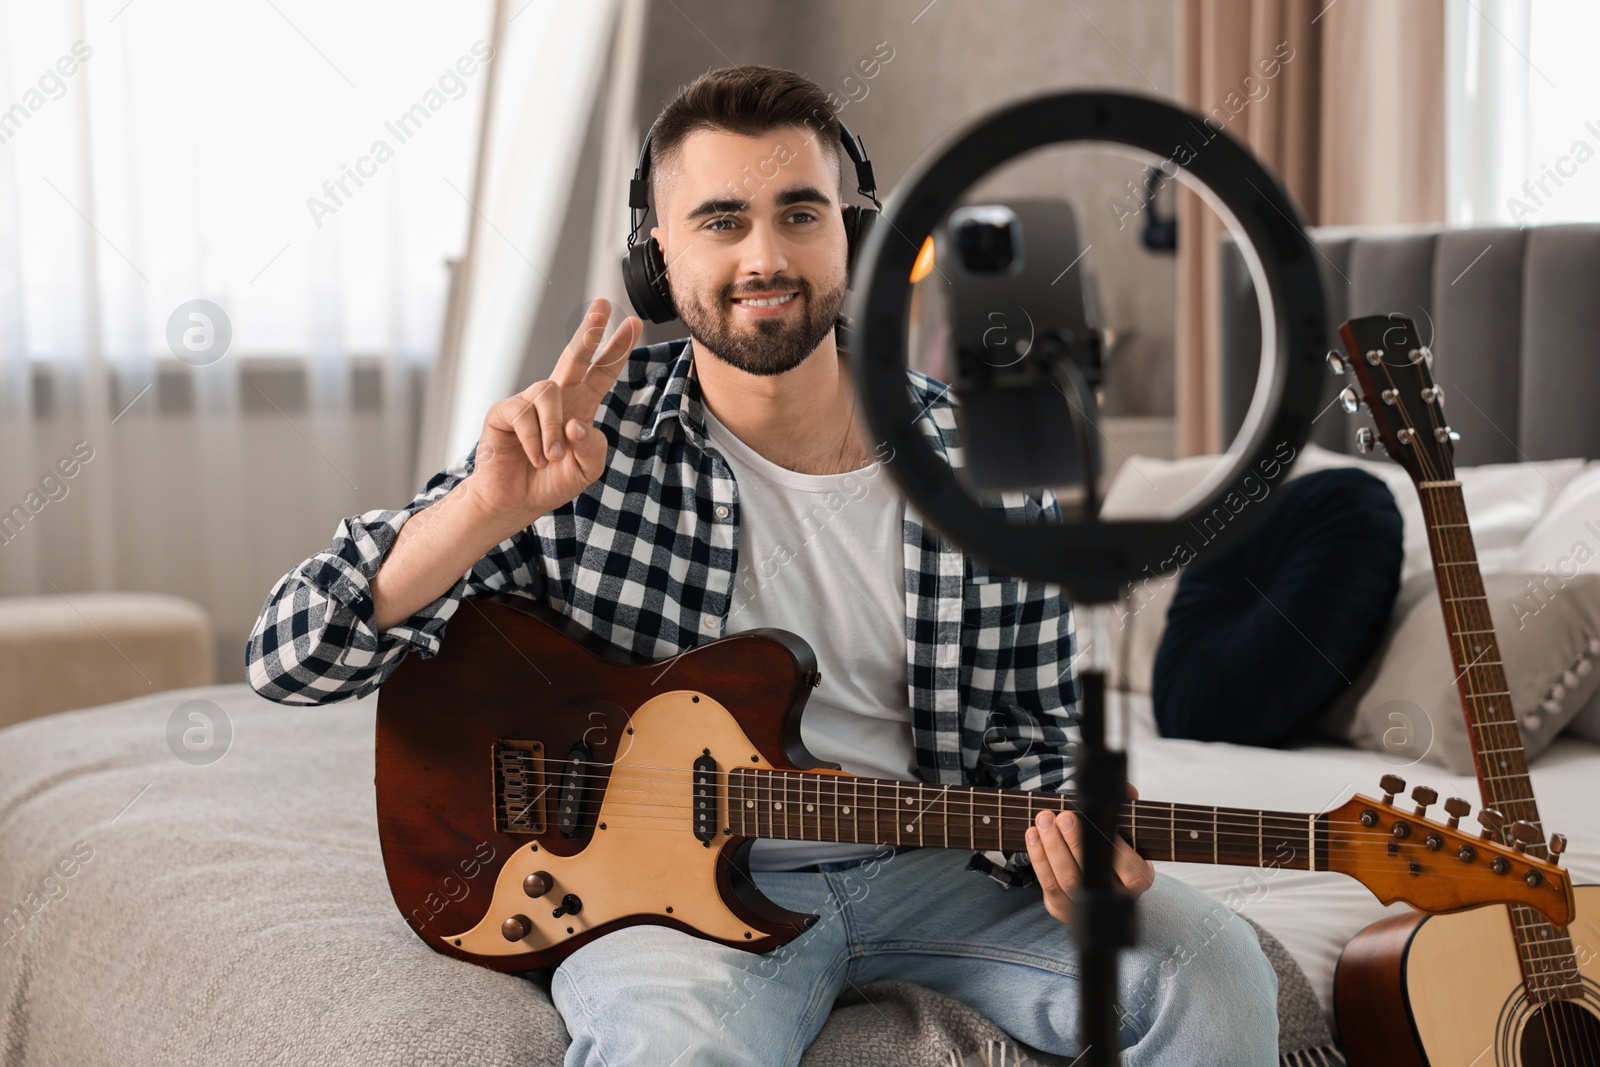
516	928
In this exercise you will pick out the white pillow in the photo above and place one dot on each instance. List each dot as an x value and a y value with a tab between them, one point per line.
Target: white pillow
1566	539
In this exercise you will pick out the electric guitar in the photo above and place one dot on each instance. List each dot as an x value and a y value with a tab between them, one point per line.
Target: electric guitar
538	788
1498	986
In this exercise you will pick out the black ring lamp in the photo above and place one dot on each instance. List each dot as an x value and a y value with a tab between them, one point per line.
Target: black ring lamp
1091	559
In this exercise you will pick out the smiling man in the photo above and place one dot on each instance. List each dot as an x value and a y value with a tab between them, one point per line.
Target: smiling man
732	486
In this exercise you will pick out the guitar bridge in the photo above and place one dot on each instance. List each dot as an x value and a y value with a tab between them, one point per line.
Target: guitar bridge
519	787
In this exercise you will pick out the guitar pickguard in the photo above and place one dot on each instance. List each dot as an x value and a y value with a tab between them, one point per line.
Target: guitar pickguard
643	858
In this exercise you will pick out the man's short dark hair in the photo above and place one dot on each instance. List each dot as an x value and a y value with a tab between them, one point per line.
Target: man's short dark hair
747	100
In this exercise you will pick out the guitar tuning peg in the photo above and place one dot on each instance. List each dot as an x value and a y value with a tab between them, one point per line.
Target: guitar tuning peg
1349	399
1459	809
1445	433
1523	835
1558	845
1336	362
1433	394
1491	821
1391	784
1374	356
1366	440
1424	796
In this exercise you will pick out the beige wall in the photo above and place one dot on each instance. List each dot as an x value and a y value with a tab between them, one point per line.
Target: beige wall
953	62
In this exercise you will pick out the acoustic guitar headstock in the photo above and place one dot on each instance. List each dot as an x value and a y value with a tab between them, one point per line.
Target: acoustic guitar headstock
1394	373
1438	867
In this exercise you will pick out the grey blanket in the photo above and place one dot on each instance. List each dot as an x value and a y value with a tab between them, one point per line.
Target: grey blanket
184	890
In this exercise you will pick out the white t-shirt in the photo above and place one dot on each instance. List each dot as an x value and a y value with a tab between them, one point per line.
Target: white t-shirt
821	555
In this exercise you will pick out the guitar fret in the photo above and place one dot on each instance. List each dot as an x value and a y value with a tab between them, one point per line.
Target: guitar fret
811	808
946	799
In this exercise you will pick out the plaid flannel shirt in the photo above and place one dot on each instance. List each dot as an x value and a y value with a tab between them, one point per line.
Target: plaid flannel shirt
645	558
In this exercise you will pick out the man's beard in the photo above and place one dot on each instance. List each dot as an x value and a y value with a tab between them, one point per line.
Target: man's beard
766	346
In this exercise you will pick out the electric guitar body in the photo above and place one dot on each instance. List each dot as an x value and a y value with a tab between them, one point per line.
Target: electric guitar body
494	760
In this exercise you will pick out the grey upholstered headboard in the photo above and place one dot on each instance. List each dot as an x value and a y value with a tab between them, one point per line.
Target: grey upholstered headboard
1514	320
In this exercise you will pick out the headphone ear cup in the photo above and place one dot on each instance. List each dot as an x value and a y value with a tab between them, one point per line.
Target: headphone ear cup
644	274
858	222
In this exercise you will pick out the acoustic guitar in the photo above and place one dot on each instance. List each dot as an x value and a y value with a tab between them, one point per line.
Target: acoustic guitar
1498	986
538	788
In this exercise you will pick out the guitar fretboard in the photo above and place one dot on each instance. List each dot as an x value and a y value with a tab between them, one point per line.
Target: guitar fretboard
1549	966
807	806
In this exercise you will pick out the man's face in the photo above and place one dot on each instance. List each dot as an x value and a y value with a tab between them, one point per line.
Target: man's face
752	218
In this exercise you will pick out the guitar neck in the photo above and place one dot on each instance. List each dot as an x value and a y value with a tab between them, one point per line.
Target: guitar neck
1544	951
811	806
1492	730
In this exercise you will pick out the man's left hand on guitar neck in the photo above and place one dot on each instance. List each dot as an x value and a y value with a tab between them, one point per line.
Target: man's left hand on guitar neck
1055	845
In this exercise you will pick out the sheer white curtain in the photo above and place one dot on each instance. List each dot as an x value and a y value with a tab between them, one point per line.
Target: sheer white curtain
1523	124
304	169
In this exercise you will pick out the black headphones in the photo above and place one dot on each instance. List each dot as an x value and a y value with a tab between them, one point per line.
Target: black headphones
644	272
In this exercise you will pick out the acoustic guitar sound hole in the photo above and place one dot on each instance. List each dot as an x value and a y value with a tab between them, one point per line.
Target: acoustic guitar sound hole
1562	1033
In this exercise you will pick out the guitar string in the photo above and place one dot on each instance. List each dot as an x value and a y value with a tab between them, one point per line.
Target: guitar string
1354	869
1560	1038
1189	816
1288	827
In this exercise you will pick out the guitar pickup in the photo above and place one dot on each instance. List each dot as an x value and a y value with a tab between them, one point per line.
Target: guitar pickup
705	799
574	783
519	787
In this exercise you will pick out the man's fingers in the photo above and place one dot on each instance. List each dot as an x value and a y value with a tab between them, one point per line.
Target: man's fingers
609	361
551	422
1133	869
585	357
521	417
1062	864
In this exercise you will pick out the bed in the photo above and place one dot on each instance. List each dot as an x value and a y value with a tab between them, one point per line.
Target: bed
237	911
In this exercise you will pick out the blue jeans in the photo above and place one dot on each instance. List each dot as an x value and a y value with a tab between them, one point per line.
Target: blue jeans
1196	990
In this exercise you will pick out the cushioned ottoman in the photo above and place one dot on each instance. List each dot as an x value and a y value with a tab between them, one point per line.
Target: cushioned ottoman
77	650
